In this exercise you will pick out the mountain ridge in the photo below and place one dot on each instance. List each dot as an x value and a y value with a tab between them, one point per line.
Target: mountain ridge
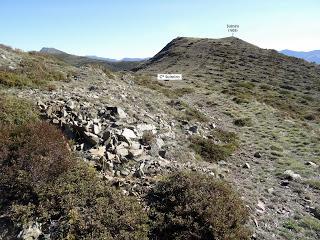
310	56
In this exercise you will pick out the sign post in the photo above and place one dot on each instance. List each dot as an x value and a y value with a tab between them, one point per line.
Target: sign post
168	77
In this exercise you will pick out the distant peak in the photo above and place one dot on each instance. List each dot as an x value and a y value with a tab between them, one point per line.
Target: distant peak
51	50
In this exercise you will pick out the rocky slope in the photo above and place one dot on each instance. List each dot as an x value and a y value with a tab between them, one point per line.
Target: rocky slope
134	129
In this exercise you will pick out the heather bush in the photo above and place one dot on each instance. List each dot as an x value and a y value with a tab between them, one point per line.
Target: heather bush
30	155
41	181
16	111
219	146
195	206
242	122
32	72
85	207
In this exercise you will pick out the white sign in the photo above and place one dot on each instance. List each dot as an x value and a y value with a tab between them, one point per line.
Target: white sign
169	76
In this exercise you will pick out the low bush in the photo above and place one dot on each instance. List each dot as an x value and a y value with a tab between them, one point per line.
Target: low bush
222	145
243	122
195	206
85	207
36	150
16	111
32	72
43	183
314	183
147	138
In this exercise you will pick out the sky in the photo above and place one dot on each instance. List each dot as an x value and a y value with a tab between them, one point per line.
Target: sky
141	28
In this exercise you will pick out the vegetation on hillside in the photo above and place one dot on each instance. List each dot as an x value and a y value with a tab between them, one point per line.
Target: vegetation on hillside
195	206
34	70
217	147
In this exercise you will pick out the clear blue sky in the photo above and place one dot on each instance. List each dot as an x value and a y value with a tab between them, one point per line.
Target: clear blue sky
140	28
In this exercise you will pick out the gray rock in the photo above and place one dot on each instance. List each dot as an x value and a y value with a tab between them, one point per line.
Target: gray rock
41	105
139	173
91	138
98	152
257	155
142	127
32	231
106	136
96	129
261	207
193	129
162	153
312	164
124	172
110	156
117	112
159	142
246	165
55	121
70	105
123	152
291	175
127	135
123	145
135	153
135	145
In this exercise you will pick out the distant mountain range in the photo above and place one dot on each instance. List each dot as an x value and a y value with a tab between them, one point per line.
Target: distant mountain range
116	60
57	52
113	64
312	56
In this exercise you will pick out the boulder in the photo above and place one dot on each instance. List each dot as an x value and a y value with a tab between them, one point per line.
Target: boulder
123	152
117	112
135	153
98	152
246	165
91	138
142	127
257	155
193	129
70	105
96	129
291	175
126	135
135	145
31	231
110	156
107	136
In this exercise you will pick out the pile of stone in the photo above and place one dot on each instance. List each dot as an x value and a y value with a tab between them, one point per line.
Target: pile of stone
109	138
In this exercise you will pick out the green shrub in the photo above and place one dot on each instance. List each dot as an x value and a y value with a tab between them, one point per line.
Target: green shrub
38	150
88	208
16	111
147	138
43	183
32	72
192	113
195	206
242	122
186	112
311	223
225	136
219	148
12	79
314	183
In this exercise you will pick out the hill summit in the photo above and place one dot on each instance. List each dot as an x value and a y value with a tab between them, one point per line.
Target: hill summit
51	51
242	69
